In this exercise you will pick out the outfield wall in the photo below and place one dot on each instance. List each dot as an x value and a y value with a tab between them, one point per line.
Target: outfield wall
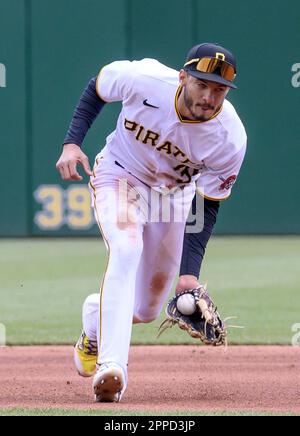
49	49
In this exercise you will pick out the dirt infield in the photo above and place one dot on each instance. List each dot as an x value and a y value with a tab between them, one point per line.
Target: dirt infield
160	379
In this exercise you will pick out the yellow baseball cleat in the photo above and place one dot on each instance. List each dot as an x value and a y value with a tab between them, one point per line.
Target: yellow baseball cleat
85	356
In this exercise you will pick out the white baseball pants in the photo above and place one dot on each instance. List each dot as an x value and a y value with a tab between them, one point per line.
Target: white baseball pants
143	231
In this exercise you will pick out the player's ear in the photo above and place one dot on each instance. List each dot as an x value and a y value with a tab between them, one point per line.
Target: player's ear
183	76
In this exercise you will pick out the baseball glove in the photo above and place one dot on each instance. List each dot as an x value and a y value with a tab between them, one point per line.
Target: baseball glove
205	324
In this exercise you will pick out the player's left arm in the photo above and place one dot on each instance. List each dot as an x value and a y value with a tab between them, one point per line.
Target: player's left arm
194	247
214	185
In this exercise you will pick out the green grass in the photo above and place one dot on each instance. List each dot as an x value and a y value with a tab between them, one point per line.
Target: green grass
61	412
44	282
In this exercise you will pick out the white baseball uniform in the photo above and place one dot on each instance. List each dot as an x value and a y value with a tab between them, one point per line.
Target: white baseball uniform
152	162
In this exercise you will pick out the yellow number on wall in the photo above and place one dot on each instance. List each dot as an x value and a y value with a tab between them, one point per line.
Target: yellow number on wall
79	208
52	215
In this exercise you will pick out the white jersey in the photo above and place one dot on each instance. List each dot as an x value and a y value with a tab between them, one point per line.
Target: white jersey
156	145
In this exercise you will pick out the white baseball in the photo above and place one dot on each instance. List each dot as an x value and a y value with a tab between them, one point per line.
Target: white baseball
186	304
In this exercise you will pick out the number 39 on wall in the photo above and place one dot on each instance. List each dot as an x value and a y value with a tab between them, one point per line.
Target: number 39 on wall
71	207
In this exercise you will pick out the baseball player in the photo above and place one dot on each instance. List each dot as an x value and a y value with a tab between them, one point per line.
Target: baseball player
176	134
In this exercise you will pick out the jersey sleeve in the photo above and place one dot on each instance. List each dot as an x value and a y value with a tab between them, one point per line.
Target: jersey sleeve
115	80
217	183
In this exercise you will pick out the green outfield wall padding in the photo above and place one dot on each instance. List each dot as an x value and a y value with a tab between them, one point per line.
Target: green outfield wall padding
50	49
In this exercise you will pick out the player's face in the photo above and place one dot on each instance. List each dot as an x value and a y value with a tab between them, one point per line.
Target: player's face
201	98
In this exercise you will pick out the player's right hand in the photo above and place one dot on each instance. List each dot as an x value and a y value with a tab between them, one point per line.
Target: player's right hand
67	163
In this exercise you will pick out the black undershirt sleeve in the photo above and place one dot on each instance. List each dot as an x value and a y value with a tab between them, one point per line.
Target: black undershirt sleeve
194	245
87	110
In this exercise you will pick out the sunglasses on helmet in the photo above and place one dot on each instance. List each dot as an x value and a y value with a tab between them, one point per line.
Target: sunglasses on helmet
210	65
